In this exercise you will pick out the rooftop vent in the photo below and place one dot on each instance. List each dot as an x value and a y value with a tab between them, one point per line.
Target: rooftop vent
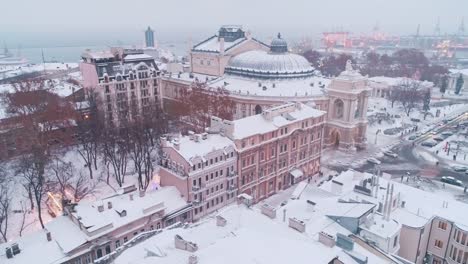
327	239
183	244
268	210
220	221
297	224
109	205
100	208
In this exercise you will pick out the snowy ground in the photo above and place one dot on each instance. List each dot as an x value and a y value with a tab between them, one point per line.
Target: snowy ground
7	71
20	200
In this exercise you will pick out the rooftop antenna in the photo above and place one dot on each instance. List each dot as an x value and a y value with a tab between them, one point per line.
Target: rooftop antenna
437	27
418	29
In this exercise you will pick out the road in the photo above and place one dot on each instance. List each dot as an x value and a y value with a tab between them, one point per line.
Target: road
408	160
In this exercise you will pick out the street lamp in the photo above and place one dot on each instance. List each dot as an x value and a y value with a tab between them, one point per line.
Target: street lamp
376	133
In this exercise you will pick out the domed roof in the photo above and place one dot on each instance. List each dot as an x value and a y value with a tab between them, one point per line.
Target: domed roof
278	45
262	64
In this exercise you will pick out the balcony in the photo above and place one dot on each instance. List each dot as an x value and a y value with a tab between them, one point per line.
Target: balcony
231	187
232	174
196	188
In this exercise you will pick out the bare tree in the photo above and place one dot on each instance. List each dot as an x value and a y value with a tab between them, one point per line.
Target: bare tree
24	212
410	94
68	182
114	149
5	203
32	170
89	128
44	118
199	103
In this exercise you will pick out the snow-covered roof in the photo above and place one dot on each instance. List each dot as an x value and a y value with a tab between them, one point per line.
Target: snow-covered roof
166	198
259	124
190	148
259	63
136	57
248	237
420	206
458	71
66	236
212	44
297	87
394	81
104	54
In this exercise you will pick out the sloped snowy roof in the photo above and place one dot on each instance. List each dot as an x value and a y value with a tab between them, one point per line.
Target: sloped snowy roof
168	198
296	87
132	57
258	63
258	124
248	237
212	44
190	148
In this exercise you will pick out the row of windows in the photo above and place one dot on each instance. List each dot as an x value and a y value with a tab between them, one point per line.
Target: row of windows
212	161
212	176
283	131
458	255
460	237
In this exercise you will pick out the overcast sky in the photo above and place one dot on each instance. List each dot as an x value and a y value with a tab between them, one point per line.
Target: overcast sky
126	19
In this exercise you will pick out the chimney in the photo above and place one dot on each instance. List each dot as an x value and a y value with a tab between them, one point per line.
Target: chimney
100	208
131	197
191	134
197	138
337	187
49	236
390	203
221	45
204	136
193	259
109	205
384	212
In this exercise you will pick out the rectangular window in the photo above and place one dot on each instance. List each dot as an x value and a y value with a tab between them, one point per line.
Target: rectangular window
438	243
117	243
442	225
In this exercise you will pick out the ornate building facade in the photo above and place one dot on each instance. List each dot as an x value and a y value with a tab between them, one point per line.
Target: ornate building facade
260	77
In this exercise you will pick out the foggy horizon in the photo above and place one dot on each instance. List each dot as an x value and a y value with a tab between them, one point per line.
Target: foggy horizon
90	23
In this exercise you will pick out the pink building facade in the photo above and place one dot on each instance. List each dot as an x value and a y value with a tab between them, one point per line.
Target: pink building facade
126	81
203	168
276	149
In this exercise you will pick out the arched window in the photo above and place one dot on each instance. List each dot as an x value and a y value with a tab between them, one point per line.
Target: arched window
338	108
258	110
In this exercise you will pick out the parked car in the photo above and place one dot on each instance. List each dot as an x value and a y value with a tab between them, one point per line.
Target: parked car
373	161
413	137
447	133
451	180
390	154
429	144
439	139
458	168
415	119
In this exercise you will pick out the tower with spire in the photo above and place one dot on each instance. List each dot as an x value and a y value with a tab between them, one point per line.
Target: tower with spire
461	28
437	27
149	38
